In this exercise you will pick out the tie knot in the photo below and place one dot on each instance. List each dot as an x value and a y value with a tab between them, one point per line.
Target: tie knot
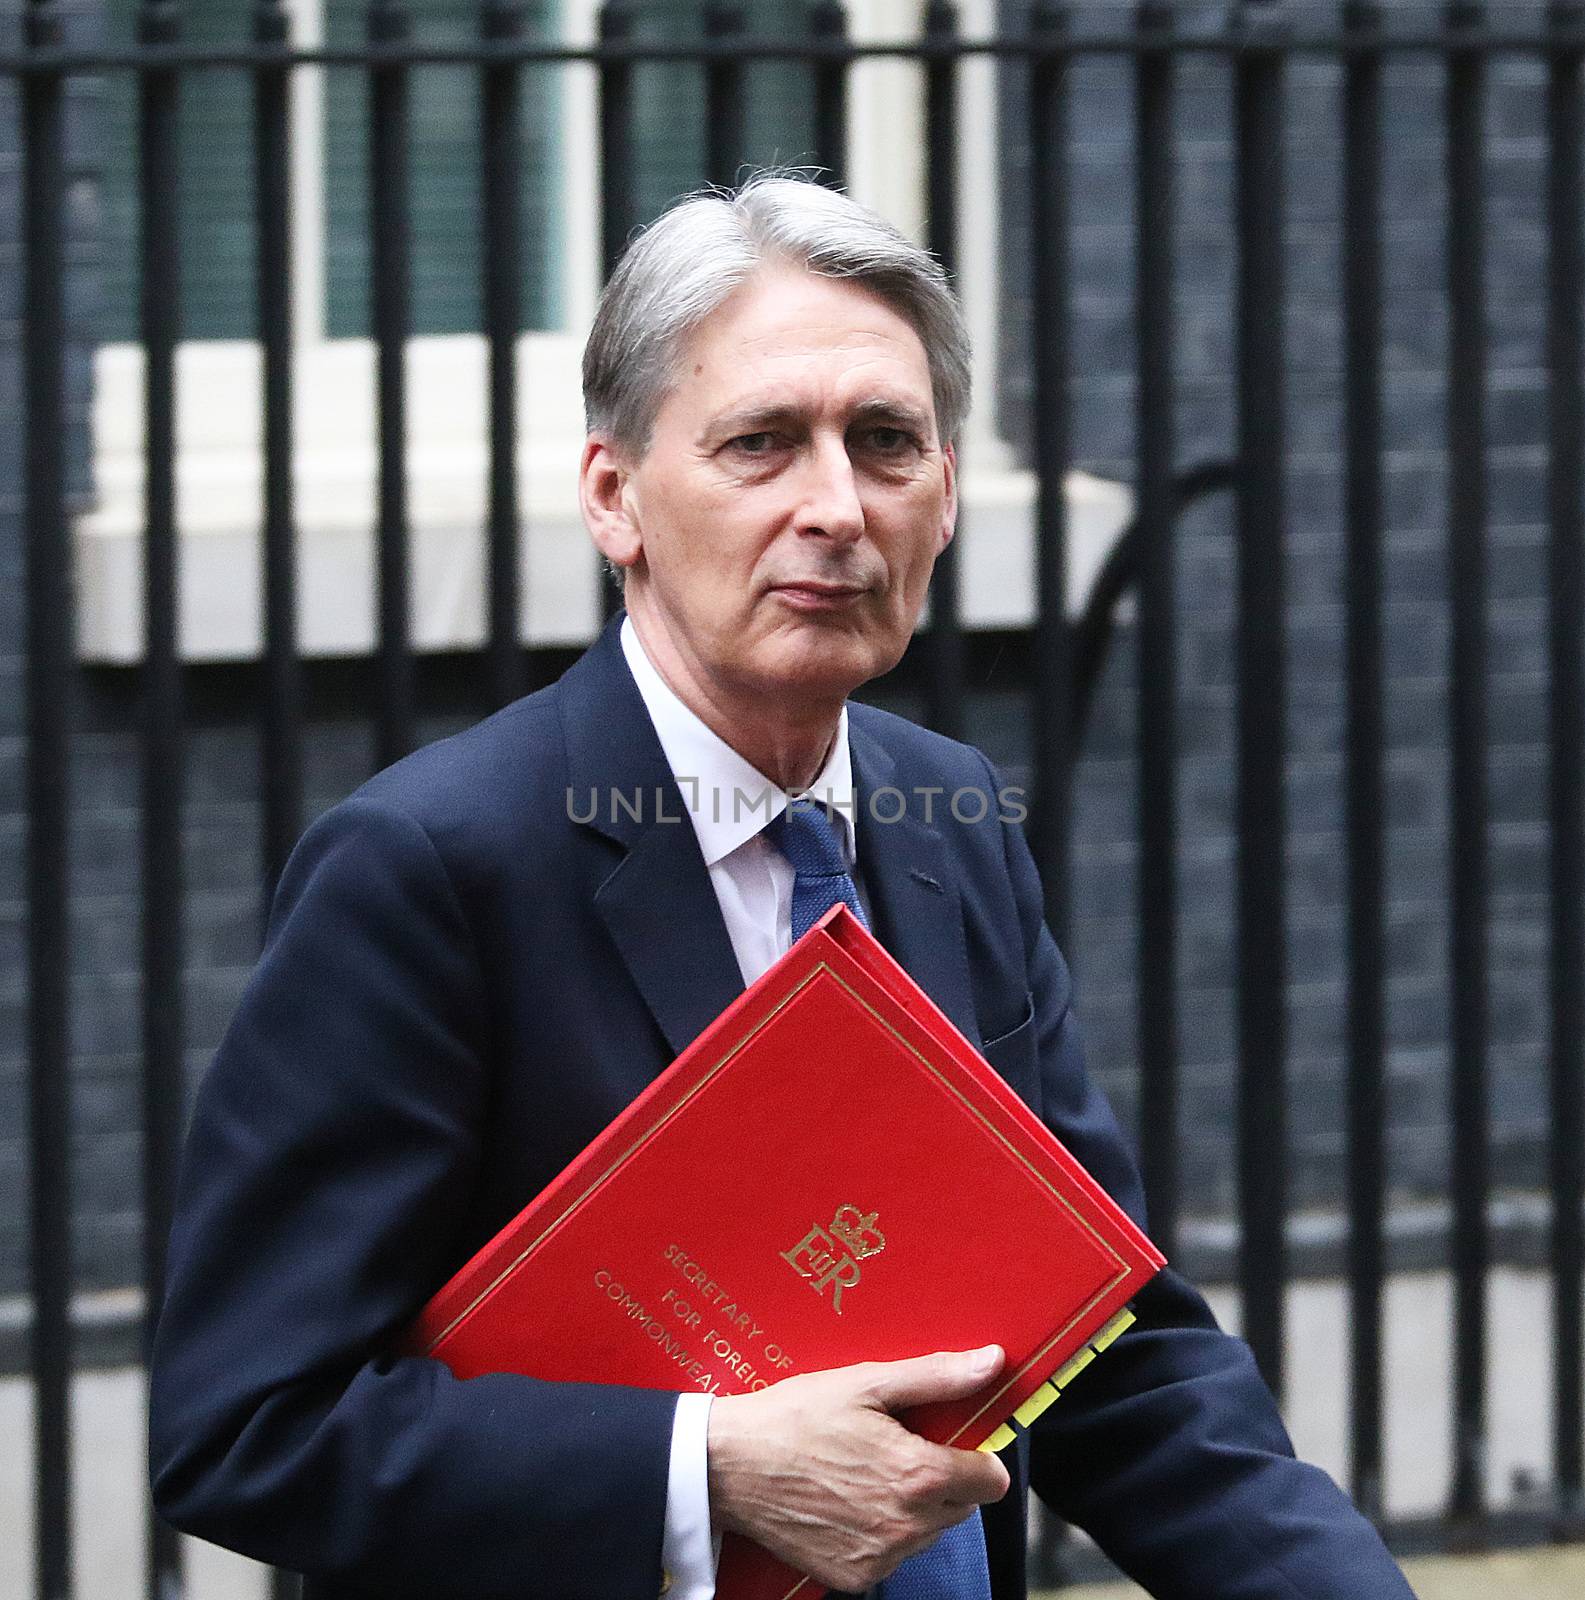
807	834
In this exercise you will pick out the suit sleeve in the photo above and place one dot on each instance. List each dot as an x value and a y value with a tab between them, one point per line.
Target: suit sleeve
1169	1451
331	1151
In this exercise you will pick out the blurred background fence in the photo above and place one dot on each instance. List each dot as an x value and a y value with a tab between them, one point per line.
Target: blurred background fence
1269	590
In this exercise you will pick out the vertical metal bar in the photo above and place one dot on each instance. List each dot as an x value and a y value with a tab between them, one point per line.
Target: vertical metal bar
725	144
49	609
1262	708
163	744
285	1585
283	688
282	757
618	183
1367	955
1566	642
1466	444
828	29
1158	677
618	211
944	685
502	22
1052	722
390	299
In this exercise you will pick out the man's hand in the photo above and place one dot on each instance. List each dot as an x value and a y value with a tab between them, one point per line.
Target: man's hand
818	1470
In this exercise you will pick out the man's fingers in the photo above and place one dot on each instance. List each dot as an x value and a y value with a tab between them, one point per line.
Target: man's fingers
947	1375
818	1471
949	1483
988	1478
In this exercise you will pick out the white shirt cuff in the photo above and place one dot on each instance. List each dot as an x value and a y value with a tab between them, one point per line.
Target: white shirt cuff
688	1552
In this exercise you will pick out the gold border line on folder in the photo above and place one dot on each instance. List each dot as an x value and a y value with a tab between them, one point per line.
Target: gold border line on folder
1035	1359
1013	1379
620	1162
974	1111
1048	1393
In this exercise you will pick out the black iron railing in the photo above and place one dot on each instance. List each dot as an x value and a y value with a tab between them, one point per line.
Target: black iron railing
1261	39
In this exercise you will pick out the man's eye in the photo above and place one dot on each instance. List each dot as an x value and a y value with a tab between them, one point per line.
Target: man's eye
889	441
754	444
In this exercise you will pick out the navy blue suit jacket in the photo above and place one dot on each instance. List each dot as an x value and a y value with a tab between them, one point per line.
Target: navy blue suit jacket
462	984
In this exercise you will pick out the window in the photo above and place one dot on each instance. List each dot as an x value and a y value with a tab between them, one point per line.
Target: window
218	370
219	422
331	169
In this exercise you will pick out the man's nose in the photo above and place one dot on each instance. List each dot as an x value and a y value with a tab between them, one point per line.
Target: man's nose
829	501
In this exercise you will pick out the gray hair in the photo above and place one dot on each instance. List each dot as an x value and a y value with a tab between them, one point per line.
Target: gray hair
686	263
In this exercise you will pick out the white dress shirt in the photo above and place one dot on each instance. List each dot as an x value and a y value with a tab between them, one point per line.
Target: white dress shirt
729	802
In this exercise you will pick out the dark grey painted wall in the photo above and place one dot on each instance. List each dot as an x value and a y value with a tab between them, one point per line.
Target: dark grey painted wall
1417	582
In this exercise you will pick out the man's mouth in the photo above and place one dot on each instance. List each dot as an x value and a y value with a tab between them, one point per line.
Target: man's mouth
814	595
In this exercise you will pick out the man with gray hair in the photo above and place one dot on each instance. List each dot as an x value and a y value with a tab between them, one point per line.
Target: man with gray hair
481	957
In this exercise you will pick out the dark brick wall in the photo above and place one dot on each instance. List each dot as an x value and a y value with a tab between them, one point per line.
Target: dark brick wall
80	231
1418	776
222	815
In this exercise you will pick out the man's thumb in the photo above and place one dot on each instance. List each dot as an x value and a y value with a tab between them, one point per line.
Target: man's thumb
946	1375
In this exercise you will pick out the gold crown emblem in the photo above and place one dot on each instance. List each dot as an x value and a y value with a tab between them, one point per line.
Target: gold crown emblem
858	1232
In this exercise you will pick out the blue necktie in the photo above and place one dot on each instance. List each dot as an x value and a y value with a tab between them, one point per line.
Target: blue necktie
955	1566
806	833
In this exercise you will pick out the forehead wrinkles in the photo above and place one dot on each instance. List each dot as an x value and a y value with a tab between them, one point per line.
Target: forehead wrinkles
868	379
795	340
777	366
789	340
802	312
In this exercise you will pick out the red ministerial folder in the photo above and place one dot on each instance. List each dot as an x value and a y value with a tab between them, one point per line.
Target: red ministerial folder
830	1173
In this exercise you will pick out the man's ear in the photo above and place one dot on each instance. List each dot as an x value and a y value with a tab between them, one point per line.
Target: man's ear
949	515
606	503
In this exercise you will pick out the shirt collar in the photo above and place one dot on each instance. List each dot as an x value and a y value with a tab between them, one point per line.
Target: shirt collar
728	799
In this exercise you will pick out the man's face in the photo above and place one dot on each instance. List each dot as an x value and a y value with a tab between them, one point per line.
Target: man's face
780	530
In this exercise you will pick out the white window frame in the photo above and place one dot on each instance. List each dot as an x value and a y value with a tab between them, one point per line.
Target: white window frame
219	460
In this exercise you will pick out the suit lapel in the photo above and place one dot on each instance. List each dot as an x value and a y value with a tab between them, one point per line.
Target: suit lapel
657	903
912	883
